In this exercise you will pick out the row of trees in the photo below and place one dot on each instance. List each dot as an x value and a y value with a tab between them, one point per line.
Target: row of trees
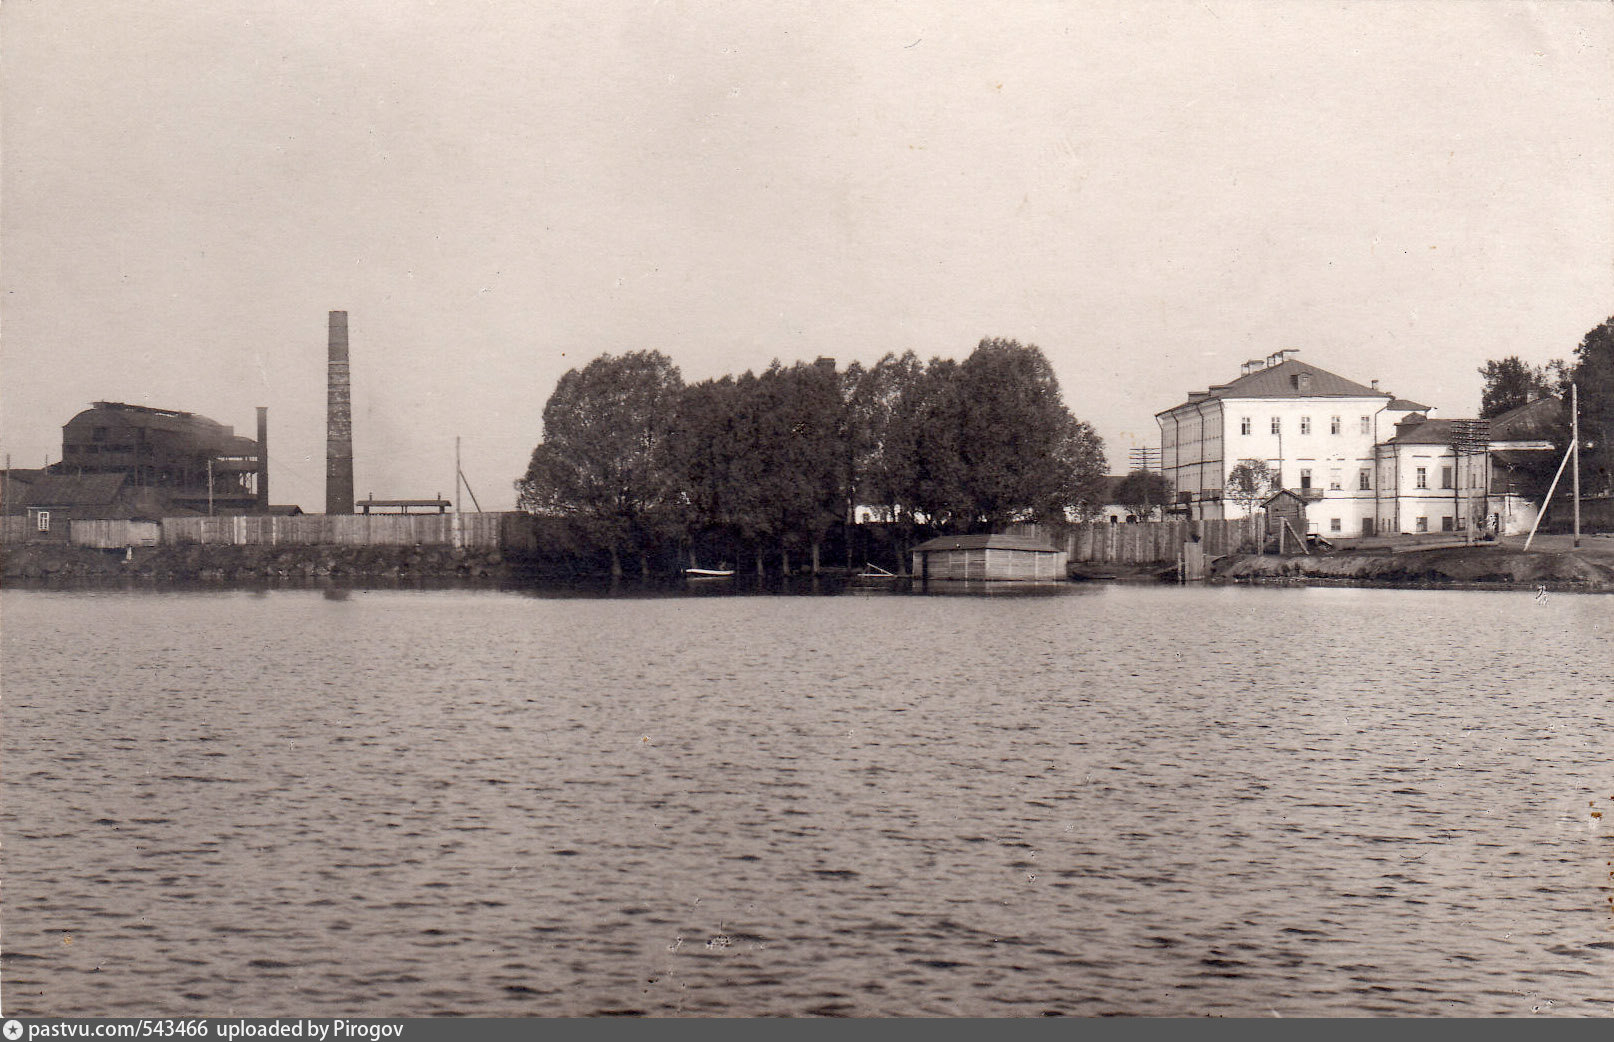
635	460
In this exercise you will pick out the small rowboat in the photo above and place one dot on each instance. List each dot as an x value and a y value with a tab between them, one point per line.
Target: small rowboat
709	573
874	571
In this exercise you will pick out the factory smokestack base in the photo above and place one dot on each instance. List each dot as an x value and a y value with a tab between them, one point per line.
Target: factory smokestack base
338	423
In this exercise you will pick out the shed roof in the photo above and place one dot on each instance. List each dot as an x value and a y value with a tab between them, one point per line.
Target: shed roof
988	542
74	490
1429	432
1531	421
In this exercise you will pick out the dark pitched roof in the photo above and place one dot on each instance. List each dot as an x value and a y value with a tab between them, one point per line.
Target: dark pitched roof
1529	422
1429	432
987	542
1407	404
1281	381
75	490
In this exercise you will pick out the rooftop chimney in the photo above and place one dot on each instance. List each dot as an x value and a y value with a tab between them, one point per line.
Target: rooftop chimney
263	459
338	422
1375	384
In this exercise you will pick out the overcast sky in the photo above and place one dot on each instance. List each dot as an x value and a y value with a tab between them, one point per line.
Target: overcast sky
496	192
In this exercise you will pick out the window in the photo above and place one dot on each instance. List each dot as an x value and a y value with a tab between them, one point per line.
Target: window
1244	425
1277	425
1367	425
1445	477
1367	526
1420	525
1423	480
1305	477
1364	480
98	434
1445	524
1305	425
42	522
1333	425
1333	524
1334	478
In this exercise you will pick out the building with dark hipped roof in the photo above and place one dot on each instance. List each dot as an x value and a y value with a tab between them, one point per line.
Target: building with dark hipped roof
1365	461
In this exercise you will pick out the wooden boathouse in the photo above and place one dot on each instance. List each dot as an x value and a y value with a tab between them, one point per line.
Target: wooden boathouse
989	557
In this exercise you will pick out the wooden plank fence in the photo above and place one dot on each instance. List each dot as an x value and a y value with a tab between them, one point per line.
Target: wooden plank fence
20	528
477	531
1160	542
114	534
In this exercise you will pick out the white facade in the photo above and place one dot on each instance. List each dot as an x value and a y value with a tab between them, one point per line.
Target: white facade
1318	432
1427	487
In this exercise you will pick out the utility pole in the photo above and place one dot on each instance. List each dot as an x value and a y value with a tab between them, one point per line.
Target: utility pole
458	538
210	486
1574	437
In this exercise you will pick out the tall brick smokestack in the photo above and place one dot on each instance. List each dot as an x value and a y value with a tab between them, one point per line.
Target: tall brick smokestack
263	459
338	423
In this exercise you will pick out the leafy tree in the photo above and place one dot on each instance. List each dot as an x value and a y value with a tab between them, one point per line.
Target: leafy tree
1142	491
1249	483
704	451
928	436
886	406
804	451
604	461
1593	375
1082	461
1511	382
1018	444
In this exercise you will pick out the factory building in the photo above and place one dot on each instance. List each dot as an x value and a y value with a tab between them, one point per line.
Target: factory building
135	461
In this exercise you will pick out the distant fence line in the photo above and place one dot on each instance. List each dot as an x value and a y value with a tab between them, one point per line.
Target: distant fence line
479	531
1159	542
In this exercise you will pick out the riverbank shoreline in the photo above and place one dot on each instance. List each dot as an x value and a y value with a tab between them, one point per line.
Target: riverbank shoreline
36	563
1587	568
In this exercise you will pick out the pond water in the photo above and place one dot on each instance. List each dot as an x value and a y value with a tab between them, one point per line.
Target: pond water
1104	799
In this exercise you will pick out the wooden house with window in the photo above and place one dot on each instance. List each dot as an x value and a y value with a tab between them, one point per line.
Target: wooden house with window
989	557
52	502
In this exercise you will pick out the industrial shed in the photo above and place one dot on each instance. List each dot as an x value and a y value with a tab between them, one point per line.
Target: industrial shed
990	557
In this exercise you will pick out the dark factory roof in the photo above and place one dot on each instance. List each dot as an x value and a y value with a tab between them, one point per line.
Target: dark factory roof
123	415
